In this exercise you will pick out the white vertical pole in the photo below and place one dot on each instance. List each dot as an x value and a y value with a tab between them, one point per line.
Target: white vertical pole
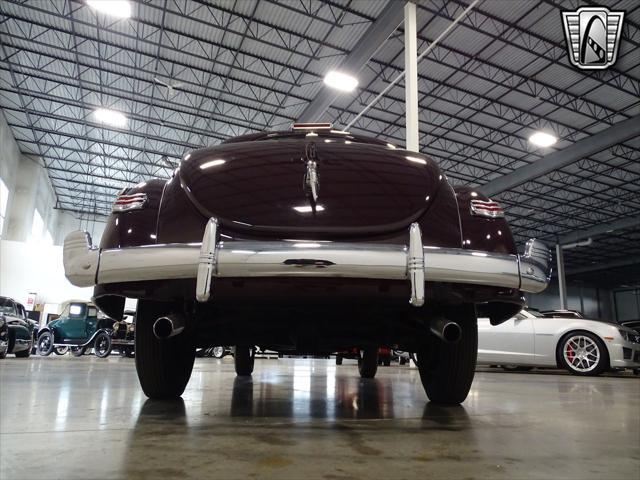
411	77
562	285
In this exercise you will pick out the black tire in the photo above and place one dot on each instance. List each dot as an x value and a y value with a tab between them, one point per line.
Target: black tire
24	353
386	362
45	344
338	359
368	362
447	369
3	354
244	359
78	351
592	366
516	368
102	345
403	361
61	350
164	366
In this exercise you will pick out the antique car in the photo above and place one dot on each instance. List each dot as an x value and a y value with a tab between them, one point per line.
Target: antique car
79	327
123	334
16	330
312	240
579	345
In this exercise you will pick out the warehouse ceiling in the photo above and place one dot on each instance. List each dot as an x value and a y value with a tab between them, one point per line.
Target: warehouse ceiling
190	73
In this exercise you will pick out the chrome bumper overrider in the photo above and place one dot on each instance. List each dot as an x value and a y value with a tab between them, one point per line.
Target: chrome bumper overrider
86	265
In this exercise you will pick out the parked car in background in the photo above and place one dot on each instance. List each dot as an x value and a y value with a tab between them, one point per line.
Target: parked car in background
124	333
579	345
402	357
4	337
19	329
215	352
80	326
368	242
633	324
561	313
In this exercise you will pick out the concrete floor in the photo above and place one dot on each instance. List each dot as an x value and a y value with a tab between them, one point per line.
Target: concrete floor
86	418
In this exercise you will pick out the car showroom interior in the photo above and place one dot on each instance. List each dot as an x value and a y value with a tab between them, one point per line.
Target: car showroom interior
323	239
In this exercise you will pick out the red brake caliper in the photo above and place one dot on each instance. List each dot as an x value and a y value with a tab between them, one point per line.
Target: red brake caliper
569	353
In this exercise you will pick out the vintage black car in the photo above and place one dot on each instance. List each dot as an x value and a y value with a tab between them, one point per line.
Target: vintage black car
16	330
368	243
80	326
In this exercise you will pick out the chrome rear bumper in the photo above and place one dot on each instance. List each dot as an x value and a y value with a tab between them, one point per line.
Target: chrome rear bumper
86	265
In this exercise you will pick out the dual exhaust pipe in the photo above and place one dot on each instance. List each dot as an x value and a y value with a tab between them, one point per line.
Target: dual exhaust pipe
172	325
168	326
445	330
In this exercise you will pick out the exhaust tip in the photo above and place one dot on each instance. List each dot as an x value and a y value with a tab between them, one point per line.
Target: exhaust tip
452	332
163	328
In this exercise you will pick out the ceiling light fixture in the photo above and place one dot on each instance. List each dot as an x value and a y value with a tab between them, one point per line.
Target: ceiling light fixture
543	139
340	81
111	117
212	163
115	8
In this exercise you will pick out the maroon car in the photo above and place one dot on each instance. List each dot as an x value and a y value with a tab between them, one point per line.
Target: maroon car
307	241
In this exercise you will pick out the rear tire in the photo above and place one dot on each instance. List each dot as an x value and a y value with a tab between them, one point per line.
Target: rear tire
61	350
163	366
244	359
368	362
338	359
447	369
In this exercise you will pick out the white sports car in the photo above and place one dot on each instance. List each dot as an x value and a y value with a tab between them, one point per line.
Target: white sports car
580	345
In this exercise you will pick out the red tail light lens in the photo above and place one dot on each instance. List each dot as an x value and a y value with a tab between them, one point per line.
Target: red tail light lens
488	209
135	201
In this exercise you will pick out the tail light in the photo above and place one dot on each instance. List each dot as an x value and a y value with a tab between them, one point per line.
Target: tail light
135	201
488	209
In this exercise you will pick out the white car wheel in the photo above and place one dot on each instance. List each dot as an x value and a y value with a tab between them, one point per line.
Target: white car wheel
583	354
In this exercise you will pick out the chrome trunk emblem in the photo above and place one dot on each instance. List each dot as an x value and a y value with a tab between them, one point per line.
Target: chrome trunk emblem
311	180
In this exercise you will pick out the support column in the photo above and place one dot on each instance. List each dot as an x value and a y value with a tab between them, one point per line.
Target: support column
562	284
411	77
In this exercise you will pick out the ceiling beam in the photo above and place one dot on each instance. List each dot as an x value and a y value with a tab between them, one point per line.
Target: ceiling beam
601	229
375	36
618	133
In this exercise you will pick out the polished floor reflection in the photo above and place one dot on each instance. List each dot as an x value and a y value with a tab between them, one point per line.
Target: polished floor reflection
86	418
